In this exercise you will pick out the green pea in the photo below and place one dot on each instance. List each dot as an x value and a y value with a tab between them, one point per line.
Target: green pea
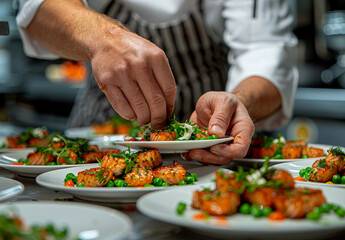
165	184
120	183
157	181
336	178
195	176
308	169
302	172
51	163
214	137
342	180
110	184
245	208
304	156
317	210
148	185
189	180
208	138
182	182
71	176
80	185
181	207
266	211
314	216
255	211
340	212
325	207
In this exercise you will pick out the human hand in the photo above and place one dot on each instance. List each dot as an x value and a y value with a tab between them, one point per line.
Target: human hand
223	114
135	76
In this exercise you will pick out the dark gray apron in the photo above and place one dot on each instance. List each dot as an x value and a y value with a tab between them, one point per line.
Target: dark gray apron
198	60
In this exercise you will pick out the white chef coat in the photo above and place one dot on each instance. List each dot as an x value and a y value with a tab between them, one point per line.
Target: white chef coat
258	34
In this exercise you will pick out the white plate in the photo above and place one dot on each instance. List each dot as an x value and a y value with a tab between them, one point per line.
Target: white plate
294	167
29	170
174	146
87	132
9	188
55	180
162	206
85	221
250	162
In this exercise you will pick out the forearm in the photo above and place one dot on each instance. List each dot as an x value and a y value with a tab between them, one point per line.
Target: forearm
259	96
69	29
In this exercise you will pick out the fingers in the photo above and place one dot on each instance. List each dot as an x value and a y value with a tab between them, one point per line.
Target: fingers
119	103
165	79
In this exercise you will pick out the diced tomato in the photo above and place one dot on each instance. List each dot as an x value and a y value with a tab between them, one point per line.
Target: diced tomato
276	216
129	208
300	179
200	216
18	163
69	183
143	140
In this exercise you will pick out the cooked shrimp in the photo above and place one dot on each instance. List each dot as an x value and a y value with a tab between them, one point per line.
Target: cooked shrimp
336	160
322	172
261	196
220	203
71	155
139	176
163	136
291	152
94	177
115	164
283	177
149	159
171	174
92	157
226	182
38	158
298	202
313	152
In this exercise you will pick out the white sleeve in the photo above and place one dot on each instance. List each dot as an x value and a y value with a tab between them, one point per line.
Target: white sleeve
262	44
27	11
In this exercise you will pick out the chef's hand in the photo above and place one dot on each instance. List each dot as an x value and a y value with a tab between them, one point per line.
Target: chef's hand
135	76
223	114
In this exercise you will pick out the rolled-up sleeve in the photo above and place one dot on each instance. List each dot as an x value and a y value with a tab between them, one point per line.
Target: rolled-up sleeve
262	44
27	11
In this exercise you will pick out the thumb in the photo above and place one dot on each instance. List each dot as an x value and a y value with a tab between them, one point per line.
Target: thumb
220	121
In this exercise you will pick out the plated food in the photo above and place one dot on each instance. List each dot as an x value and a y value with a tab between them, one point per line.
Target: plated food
263	202
30	138
126	169
62	220
329	170
117	125
278	148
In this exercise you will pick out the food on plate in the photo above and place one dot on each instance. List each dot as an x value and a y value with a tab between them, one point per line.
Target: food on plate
62	150
279	148
117	125
31	137
12	226
175	131
330	170
263	192
141	169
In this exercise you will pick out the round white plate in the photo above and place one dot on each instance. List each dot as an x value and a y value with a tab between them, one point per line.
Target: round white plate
294	167
162	206
82	220
9	188
174	146
249	162
28	170
55	180
87	132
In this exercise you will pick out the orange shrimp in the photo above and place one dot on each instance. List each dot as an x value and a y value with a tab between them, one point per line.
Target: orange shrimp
94	177
171	174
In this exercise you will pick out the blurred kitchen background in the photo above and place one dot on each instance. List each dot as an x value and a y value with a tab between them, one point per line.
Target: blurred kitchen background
41	93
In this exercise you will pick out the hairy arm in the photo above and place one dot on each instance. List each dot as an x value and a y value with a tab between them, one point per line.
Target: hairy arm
133	73
259	96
